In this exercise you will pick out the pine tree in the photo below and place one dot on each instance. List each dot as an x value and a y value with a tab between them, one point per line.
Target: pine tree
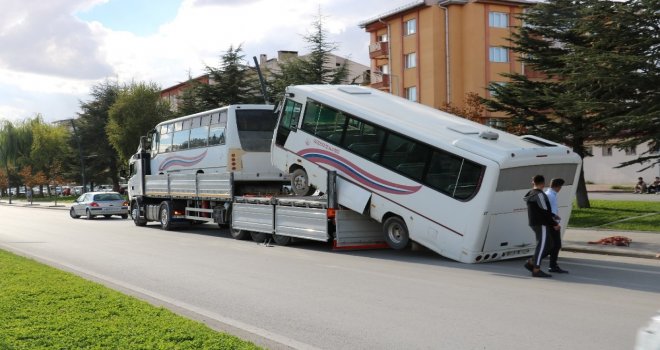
583	48
314	68
231	83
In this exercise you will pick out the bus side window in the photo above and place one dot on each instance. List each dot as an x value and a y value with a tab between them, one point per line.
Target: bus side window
217	135
443	172
324	122
469	180
165	142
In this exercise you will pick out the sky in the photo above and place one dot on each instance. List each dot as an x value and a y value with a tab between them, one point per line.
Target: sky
52	52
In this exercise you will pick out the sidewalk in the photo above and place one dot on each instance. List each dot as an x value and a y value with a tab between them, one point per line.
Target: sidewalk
643	245
44	205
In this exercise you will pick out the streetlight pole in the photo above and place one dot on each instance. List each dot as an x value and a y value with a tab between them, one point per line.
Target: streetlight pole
82	159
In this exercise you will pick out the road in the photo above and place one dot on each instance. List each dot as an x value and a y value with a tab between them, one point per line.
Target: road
310	297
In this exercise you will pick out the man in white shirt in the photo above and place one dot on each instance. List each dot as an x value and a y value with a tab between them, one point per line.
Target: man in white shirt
555	235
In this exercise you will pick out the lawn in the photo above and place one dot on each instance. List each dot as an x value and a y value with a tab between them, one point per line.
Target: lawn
604	213
45	308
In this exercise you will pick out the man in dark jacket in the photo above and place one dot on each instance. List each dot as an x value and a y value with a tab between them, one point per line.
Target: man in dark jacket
541	220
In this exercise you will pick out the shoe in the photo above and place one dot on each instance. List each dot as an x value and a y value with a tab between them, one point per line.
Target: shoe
557	269
540	273
529	266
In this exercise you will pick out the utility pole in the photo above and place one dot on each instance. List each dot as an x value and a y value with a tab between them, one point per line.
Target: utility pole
82	159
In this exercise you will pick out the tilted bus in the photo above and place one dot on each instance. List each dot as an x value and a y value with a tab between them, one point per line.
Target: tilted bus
188	169
450	184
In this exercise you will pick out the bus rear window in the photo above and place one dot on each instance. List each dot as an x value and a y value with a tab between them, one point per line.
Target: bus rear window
255	129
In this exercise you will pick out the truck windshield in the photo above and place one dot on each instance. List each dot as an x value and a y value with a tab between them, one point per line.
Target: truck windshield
255	129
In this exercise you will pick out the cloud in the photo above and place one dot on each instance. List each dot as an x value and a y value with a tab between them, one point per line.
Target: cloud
43	37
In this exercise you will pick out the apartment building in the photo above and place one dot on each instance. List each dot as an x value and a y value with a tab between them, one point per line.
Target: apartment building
435	52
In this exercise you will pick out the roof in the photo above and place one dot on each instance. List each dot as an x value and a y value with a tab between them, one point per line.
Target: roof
412	5
430	125
393	11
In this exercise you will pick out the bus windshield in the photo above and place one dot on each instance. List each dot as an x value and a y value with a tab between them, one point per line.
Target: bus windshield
255	129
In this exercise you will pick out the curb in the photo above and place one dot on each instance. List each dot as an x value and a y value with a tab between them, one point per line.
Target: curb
37	205
631	254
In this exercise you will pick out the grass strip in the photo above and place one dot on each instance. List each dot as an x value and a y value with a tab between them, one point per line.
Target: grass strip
45	308
604	213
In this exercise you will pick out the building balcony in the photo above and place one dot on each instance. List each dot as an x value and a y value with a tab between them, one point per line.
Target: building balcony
378	49
380	81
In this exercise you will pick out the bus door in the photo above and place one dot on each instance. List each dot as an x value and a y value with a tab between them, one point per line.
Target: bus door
288	122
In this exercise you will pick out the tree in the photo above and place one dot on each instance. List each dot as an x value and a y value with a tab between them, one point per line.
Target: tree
49	147
4	182
8	151
584	54
231	83
472	108
30	180
137	110
314	68
100	158
55	177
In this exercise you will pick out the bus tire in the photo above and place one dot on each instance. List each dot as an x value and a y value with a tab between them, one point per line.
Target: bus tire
396	233
135	215
300	183
259	237
165	216
281	240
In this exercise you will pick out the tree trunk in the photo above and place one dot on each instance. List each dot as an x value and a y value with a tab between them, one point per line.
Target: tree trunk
581	194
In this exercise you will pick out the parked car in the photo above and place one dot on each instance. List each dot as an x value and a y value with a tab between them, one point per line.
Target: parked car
92	204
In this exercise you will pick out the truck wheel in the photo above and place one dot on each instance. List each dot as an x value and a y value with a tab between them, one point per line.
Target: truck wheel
73	214
300	183
281	240
135	215
165	216
259	237
239	234
396	233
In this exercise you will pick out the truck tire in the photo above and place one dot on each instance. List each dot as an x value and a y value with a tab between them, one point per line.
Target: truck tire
396	233
300	183
165	216
281	240
239	234
135	215
259	237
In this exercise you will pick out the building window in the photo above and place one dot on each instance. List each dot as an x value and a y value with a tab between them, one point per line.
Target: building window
411	93
607	151
411	60
493	93
410	27
385	69
499	54
498	123
382	38
631	151
498	19
589	151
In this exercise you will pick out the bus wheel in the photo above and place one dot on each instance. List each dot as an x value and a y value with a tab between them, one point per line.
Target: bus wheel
396	233
281	240
135	215
259	237
300	183
165	216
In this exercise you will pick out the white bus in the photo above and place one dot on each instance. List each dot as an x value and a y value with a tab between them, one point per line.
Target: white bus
450	184
233	139
188	169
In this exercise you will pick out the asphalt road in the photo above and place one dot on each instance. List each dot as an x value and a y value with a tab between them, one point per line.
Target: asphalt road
310	297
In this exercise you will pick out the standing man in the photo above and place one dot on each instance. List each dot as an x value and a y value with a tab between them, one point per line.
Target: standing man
555	235
540	220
